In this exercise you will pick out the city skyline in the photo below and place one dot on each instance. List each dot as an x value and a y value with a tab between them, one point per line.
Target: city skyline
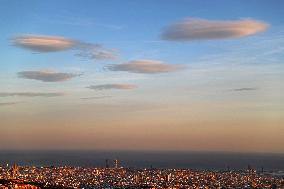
127	75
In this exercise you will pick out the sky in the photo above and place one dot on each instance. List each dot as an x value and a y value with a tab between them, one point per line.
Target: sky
158	75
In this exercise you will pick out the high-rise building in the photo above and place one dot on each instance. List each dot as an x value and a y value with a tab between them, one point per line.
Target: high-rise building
116	163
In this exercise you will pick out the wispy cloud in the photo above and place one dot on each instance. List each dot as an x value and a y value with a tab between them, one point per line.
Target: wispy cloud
245	89
8	103
145	66
201	29
95	97
30	94
95	51
45	44
47	76
112	86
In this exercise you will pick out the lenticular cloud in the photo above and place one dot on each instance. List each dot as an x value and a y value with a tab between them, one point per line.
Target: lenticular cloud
145	66
201	29
46	44
46	76
43	43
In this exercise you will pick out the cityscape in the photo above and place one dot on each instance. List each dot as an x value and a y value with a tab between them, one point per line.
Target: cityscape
114	176
142	94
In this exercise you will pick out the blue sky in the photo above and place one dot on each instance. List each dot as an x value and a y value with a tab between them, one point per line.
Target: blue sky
130	26
141	67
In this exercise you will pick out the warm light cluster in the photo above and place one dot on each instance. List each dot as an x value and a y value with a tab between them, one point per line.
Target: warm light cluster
87	177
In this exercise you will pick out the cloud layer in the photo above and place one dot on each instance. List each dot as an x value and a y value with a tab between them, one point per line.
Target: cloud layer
201	29
112	86
44	44
30	94
145	66
245	89
47	76
8	103
95	97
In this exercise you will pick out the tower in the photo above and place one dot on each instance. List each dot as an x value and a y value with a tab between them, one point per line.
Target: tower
169	177
14	171
137	178
116	163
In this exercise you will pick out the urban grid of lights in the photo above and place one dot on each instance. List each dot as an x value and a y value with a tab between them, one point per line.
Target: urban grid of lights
119	177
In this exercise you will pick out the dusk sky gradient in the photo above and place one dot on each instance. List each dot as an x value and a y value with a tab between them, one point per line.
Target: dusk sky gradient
142	75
